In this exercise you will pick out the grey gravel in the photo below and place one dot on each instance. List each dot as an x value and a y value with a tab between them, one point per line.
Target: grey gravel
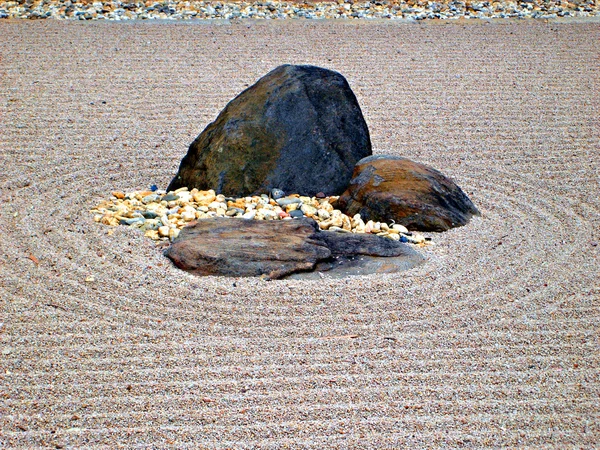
341	9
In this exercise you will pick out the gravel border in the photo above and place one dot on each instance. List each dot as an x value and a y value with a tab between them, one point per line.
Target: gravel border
348	9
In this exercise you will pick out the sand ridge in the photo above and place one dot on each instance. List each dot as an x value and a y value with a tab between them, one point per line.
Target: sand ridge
492	342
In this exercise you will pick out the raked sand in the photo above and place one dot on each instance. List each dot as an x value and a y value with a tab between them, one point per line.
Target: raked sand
492	342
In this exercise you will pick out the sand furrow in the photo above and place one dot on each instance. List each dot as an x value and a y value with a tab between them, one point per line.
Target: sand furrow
492	342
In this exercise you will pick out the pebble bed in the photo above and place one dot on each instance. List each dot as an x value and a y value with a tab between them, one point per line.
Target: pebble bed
340	9
161	215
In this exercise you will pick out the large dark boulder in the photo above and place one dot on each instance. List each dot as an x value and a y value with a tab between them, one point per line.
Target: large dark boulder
299	128
389	188
241	248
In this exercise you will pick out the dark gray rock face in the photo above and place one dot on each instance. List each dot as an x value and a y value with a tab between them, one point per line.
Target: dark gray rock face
240	248
389	188
299	129
351	244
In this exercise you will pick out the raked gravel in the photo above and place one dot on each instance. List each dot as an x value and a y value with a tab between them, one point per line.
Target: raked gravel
493	342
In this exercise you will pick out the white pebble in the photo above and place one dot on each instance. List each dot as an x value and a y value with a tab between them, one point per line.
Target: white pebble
249	215
399	228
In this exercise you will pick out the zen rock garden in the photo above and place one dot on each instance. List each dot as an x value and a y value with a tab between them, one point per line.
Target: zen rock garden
284	184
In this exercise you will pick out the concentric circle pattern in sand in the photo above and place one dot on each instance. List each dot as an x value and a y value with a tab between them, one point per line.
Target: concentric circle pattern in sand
493	342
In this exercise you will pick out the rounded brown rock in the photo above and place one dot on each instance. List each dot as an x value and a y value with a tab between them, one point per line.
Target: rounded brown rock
395	189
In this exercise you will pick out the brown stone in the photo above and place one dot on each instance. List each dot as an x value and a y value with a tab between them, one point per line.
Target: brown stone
239	248
387	188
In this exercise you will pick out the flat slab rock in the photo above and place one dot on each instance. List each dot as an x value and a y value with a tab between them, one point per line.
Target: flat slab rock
277	249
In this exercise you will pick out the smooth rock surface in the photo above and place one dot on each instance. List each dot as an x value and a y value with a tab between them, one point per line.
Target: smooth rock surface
396	189
237	247
348	266
298	129
351	244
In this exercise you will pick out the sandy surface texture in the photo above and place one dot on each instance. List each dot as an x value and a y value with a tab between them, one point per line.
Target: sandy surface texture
492	342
